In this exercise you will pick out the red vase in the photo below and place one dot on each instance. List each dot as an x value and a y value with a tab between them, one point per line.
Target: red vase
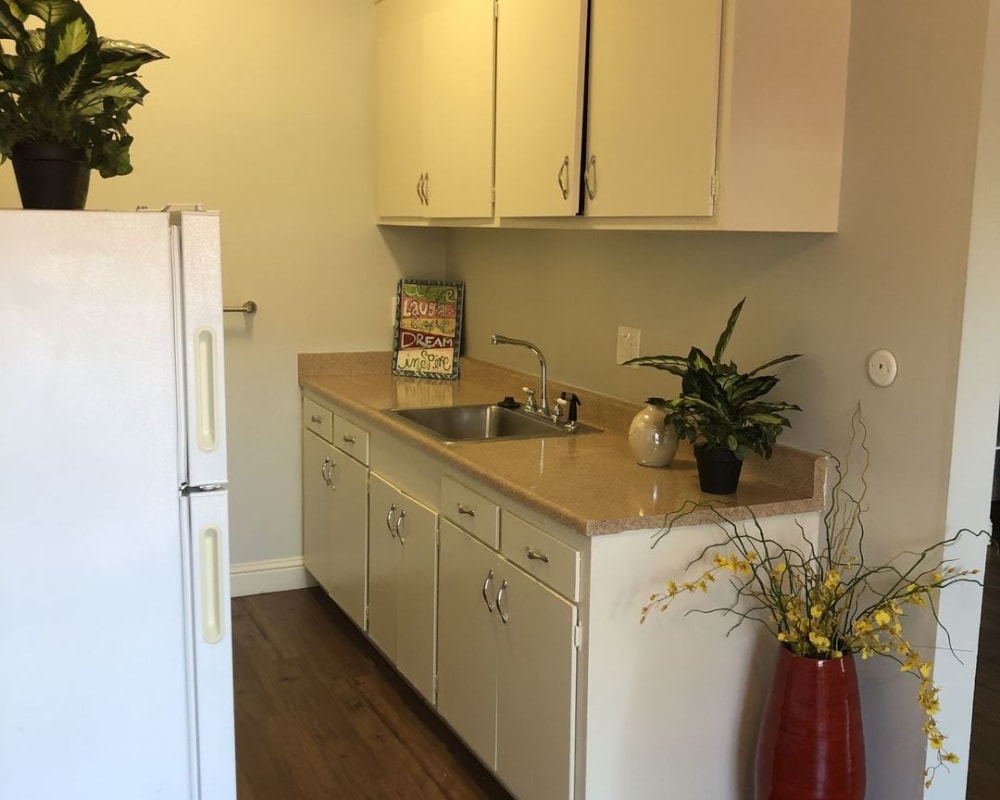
811	744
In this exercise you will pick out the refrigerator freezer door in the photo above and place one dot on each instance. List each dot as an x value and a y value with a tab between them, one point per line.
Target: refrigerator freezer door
207	538
93	685
197	260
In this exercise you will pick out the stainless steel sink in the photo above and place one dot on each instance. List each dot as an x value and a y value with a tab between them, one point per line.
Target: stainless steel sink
481	423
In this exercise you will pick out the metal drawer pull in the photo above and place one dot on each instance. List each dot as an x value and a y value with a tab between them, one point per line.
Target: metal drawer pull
500	594
486	588
466	510
400	518
316	418
564	178
590	177
350	439
388	518
534	555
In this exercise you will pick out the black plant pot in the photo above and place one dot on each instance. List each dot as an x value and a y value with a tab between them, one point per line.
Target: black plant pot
718	470
50	175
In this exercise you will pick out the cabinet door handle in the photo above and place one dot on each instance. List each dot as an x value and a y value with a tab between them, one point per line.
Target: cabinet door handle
420	182
486	588
399	519
467	510
350	439
500	594
564	178
325	470
388	518
590	178
427	186
534	555
329	474
316	418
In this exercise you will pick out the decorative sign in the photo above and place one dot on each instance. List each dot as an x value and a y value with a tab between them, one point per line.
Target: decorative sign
428	328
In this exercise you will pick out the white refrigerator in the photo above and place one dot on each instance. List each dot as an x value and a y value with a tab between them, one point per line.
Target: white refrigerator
115	646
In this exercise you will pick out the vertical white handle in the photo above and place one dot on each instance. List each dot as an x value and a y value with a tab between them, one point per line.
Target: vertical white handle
211	585
206	401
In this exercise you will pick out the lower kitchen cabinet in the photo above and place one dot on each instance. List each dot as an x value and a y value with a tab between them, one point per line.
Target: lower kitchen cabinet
507	659
317	506
334	514
402	548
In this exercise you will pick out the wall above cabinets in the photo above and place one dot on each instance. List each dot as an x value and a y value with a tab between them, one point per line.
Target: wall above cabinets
659	114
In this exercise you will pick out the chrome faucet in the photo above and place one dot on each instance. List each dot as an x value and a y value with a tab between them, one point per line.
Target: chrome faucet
499	339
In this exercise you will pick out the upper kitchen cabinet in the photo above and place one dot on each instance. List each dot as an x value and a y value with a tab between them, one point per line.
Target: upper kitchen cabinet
541	54
716	115
652	99
434	84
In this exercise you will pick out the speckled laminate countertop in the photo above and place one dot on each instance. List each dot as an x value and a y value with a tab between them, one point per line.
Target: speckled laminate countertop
588	482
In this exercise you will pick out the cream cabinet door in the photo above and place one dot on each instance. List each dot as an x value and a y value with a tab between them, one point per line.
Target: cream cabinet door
383	557
467	640
653	101
317	506
402	550
348	535
434	100
458	107
399	83
536	691
541	55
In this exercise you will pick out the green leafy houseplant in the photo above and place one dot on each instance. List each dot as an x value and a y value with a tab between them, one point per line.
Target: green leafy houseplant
64	84
719	407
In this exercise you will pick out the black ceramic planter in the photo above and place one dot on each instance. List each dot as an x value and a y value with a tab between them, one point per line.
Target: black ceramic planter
718	470
50	175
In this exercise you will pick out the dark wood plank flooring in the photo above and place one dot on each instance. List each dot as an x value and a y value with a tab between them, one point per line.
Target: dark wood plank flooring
984	752
320	714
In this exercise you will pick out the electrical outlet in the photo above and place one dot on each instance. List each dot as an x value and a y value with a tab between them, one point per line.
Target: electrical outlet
628	344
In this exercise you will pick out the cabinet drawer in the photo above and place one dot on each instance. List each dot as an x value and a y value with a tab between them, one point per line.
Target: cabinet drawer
317	419
470	511
351	439
553	563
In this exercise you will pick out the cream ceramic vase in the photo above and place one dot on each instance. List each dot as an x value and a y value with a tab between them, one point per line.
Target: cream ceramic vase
651	438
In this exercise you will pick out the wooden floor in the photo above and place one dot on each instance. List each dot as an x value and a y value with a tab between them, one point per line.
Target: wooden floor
984	754
320	715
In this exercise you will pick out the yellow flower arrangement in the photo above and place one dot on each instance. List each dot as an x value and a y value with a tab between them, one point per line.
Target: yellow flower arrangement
823	600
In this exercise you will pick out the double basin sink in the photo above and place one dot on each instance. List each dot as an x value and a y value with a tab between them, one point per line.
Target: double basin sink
480	423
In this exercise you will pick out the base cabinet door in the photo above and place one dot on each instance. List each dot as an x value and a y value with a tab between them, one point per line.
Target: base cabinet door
536	688
507	667
467	640
402	537
348	535
317	506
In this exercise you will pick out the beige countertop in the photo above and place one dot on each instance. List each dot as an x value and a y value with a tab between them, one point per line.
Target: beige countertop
589	482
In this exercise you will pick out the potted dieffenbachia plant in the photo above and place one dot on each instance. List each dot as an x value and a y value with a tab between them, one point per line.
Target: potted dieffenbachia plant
65	98
720	410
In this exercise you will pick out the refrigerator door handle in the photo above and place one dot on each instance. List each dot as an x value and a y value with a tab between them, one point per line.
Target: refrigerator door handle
206	404
211	584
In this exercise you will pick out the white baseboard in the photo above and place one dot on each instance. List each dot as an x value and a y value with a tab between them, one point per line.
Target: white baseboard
275	575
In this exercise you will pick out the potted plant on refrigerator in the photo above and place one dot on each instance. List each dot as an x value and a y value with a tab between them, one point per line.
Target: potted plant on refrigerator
719	409
65	98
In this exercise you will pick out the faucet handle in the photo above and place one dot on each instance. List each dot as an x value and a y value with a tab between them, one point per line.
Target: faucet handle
529	403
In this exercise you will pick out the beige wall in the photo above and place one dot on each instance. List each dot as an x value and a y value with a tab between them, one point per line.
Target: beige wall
894	276
266	112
